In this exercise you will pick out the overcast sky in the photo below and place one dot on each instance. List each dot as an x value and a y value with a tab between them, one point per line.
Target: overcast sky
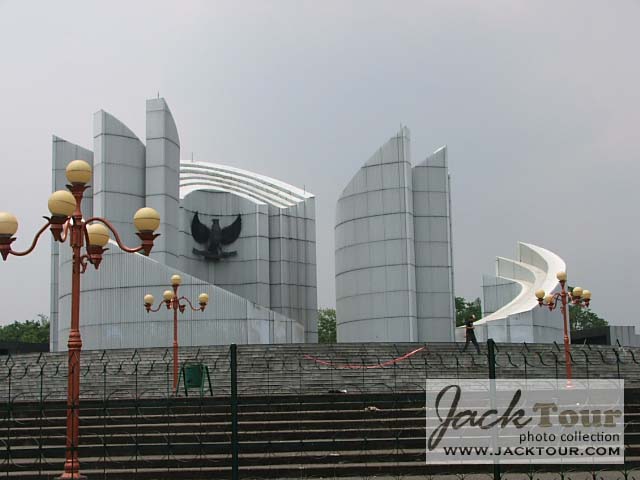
538	102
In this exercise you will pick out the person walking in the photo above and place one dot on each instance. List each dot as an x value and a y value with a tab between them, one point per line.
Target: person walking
470	334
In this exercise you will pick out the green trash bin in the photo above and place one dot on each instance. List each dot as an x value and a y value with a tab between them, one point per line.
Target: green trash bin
194	375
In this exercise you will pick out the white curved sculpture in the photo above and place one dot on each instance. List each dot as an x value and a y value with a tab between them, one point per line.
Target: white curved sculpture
510	308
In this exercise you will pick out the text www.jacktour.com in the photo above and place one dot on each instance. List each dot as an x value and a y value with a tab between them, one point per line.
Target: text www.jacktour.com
535	451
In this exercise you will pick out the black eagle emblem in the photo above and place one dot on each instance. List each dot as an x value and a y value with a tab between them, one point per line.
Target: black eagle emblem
215	237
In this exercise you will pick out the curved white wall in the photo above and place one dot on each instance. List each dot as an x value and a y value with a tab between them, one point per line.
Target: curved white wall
162	177
393	249
119	172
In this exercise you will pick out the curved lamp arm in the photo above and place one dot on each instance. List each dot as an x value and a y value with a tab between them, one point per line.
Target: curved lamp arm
65	230
33	244
571	300
116	236
152	309
191	304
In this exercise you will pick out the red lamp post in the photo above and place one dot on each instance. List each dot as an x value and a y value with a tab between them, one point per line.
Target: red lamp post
577	296
175	302
67	222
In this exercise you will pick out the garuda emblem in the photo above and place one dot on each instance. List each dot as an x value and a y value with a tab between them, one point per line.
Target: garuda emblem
215	237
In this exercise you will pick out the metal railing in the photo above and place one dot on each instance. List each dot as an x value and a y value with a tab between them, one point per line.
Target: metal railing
277	411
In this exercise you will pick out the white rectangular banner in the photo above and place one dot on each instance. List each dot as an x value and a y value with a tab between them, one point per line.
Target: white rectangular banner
525	421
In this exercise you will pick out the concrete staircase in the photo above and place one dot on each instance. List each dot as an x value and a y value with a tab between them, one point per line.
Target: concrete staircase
315	436
305	411
304	368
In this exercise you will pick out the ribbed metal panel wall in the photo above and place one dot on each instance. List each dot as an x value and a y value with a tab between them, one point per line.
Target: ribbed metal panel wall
291	284
293	264
247	273
310	293
375	261
119	174
162	172
435	304
113	315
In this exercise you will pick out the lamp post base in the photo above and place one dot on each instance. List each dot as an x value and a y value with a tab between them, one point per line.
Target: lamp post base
71	470
72	476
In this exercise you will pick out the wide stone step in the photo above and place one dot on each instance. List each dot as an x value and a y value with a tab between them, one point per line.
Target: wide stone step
386	465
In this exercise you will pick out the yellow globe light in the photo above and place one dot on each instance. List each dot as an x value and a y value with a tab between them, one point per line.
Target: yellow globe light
148	299
586	294
561	276
539	294
98	234
176	280
146	220
167	295
576	292
78	172
548	299
8	224
62	203
203	299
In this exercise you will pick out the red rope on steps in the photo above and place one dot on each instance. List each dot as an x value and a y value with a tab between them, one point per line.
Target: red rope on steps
360	367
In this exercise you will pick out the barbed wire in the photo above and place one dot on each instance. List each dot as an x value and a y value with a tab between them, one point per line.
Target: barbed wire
301	413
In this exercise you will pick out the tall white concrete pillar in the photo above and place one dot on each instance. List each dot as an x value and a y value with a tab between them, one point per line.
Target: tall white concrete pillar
162	178
118	174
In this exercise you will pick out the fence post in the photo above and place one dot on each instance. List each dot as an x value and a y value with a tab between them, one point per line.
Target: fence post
491	360
491	352
234	411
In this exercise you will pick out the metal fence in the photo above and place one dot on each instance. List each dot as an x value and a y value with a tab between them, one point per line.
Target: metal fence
276	411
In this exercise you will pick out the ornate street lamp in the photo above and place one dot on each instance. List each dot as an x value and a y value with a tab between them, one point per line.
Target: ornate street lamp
577	297
171	299
67	222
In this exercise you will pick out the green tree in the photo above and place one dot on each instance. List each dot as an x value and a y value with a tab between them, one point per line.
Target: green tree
29	331
582	318
465	309
327	325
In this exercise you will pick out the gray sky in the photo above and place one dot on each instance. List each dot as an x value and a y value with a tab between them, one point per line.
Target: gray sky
538	101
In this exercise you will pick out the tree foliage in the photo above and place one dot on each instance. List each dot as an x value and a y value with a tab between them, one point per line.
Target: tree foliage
465	309
29	331
327	325
582	318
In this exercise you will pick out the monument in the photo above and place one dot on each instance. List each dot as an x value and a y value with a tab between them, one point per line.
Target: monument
510	308
245	239
394	268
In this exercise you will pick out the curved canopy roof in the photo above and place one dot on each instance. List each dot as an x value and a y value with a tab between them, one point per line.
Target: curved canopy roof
252	186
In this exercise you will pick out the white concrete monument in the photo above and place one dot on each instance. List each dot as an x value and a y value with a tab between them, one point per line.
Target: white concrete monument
245	239
510	308
394	275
